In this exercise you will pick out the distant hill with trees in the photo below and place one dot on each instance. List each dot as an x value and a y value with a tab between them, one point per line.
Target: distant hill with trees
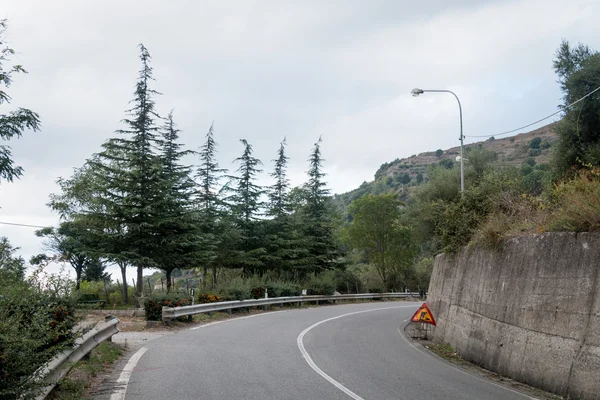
528	151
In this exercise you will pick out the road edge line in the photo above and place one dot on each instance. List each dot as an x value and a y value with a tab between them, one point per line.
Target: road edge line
125	375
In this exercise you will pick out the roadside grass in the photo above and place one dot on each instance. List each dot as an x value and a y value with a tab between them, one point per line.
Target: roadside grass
446	351
76	384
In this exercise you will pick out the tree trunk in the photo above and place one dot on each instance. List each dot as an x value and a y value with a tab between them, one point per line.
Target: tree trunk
168	272
204	277
78	277
214	282
140	281
123	268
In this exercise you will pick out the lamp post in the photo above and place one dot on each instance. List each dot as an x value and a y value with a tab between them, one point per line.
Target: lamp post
417	92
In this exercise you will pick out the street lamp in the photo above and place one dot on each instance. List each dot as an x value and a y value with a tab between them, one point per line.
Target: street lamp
416	92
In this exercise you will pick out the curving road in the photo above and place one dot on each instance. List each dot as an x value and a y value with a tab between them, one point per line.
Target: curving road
350	351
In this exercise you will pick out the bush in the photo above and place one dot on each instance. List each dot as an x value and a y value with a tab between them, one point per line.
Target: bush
346	281
35	325
259	292
535	143
116	298
285	289
324	284
208	298
237	289
154	304
237	293
534	152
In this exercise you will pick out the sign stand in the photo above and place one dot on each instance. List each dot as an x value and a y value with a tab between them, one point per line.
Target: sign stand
423	317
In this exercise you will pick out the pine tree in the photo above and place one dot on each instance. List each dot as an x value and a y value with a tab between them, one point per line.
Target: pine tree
246	207
131	175
177	223
210	203
317	222
95	270
279	192
281	242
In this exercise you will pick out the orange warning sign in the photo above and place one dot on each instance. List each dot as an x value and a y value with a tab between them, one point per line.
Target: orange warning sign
423	314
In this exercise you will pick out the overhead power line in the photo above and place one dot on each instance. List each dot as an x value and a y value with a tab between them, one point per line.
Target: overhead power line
539	120
25	225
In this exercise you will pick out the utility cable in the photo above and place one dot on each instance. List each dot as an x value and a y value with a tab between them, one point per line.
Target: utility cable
539	120
25	225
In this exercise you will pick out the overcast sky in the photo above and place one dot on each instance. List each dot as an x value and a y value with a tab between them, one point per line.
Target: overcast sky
265	70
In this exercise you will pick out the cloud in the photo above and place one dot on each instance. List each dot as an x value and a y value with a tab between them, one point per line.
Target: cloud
273	68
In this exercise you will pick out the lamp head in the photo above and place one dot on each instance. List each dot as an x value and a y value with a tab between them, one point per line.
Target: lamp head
416	91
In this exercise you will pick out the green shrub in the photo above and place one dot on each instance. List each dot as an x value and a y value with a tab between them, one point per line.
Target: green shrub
237	289
286	289
534	152
34	327
237	293
154	304
324	284
535	143
346	281
530	161
93	288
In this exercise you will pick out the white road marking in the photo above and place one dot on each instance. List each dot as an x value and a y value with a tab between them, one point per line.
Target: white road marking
123	380
236	319
461	370
314	366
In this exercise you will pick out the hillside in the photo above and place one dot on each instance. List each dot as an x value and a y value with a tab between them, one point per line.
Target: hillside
401	174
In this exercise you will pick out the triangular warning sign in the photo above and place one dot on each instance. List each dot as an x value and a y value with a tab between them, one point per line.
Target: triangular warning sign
423	314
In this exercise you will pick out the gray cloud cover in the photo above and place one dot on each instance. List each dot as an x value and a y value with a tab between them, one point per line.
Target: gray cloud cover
263	70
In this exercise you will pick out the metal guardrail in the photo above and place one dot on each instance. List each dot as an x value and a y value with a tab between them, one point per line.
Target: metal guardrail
170	313
60	365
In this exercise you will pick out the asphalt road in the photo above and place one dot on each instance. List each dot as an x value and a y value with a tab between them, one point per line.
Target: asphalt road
349	351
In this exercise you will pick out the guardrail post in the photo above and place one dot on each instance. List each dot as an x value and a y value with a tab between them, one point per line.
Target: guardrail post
229	311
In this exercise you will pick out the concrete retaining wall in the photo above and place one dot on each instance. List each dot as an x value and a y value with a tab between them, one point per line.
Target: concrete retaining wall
530	311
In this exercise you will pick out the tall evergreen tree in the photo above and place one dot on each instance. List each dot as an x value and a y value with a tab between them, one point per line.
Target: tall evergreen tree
176	226
279	192
246	205
132	175
318	226
210	204
282	246
95	270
